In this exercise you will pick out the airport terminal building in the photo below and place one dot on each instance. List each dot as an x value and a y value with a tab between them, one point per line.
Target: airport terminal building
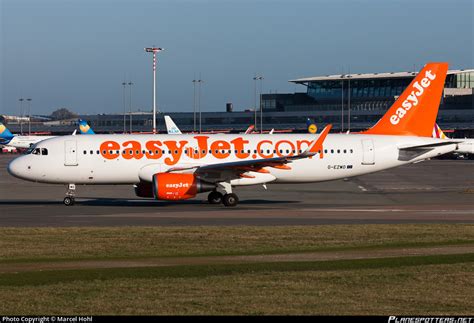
350	102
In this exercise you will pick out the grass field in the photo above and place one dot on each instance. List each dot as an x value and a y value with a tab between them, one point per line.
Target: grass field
409	285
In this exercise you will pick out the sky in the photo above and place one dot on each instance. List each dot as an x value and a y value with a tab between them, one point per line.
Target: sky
75	54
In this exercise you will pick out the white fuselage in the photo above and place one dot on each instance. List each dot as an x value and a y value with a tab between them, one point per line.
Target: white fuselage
26	141
129	159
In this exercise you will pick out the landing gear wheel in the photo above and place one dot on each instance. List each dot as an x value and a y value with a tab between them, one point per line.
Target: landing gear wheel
68	201
214	197
230	199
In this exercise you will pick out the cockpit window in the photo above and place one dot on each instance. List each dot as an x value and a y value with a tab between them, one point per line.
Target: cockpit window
30	150
36	151
44	151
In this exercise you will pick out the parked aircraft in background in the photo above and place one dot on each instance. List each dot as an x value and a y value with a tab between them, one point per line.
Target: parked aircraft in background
84	128
465	145
18	141
171	127
311	126
177	167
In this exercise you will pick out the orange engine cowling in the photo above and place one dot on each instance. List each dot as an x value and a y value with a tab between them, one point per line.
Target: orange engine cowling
168	186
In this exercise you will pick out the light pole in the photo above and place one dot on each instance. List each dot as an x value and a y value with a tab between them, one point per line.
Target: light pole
342	102
349	103
261	105
154	50
255	78
194	105
29	116
199	101
124	108
21	115
130	84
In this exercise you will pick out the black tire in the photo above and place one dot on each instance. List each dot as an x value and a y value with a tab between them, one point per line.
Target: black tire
68	201
215	197
230	199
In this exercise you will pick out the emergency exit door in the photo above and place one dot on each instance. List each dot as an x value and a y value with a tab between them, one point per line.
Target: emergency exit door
368	152
70	153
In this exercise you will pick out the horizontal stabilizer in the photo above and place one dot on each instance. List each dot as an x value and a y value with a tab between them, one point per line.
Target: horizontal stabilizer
427	146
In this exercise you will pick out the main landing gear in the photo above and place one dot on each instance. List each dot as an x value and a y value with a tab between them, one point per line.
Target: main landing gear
228	198
70	195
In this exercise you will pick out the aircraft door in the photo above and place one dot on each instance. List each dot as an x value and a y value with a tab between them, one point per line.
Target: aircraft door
368	152
70	153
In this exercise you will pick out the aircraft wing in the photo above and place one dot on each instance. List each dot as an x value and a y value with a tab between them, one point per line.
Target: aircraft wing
230	170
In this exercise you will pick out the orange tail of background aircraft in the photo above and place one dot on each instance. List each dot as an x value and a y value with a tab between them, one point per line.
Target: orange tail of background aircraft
414	112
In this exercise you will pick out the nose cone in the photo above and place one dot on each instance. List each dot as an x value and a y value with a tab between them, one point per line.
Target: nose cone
16	168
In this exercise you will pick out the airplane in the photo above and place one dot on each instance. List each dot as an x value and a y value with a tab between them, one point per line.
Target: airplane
84	128
178	167
18	141
311	126
465	146
171	127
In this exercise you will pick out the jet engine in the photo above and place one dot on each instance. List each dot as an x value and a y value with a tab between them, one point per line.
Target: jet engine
144	189
166	186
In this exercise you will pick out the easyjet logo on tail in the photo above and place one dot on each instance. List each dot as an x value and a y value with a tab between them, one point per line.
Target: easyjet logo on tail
414	112
412	99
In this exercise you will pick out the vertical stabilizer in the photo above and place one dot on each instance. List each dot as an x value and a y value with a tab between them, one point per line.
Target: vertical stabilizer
414	112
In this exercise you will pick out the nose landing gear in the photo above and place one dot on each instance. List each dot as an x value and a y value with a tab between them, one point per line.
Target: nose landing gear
70	195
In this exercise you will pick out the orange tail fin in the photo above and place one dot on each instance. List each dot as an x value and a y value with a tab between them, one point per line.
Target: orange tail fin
415	111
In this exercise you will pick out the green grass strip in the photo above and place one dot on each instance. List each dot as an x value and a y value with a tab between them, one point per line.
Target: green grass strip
373	247
200	271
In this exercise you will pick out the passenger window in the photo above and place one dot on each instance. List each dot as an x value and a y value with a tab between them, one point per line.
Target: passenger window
352	151
98	152
345	151
186	151
44	151
332	151
36	151
325	151
203	151
85	152
338	151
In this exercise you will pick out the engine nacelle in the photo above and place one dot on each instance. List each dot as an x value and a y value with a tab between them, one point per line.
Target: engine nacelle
168	186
